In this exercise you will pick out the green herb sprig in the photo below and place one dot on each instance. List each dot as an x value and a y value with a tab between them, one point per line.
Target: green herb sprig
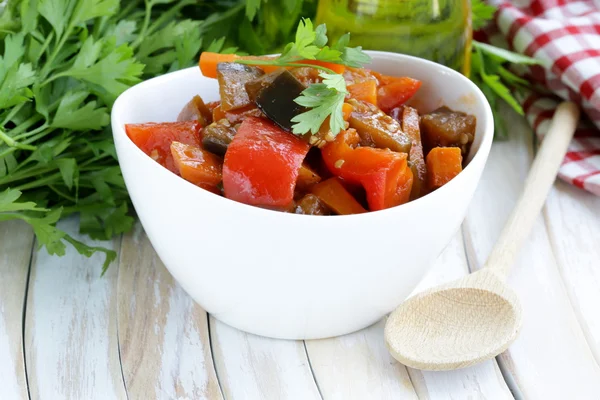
490	70
62	65
323	99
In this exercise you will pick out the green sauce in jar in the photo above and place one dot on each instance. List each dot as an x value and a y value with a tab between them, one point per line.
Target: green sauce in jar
438	30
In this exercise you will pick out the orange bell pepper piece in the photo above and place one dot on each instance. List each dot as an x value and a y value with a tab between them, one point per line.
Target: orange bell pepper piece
443	164
197	166
395	91
335	195
364	91
383	174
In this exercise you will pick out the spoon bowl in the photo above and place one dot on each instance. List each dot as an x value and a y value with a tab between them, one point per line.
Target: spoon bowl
477	317
455	325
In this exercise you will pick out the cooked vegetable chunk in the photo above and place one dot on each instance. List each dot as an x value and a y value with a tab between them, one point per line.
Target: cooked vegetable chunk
255	86
217	136
377	128
306	178
395	91
236	116
336	197
276	99
364	91
196	110
410	126
311	205
262	163
383	174
324	135
232	80
209	62
306	75
448	128
197	166
155	139
443	164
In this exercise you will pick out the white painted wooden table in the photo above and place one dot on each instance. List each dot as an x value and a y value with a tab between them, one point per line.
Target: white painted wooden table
66	333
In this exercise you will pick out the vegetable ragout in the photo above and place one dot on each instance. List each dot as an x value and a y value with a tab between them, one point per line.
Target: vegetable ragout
310	132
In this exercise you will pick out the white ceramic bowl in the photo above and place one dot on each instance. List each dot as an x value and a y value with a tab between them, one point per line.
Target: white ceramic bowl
285	275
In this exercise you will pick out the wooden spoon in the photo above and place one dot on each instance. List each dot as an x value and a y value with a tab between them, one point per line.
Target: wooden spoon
477	317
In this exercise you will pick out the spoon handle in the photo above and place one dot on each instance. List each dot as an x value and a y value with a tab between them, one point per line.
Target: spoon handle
537	186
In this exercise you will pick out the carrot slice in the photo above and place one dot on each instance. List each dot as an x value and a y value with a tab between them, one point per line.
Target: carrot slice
306	178
208	63
364	91
395	91
333	193
443	164
347	111
197	166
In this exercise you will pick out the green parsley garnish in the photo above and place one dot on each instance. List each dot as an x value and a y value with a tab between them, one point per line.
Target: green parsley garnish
489	69
62	65
323	99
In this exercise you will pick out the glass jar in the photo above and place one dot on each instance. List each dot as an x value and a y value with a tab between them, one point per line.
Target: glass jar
439	30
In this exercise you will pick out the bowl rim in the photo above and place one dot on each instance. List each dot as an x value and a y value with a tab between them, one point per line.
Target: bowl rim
482	151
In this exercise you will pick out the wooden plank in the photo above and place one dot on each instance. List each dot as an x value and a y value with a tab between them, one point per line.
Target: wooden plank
573	220
256	367
16	241
358	365
163	334
482	381
70	331
551	347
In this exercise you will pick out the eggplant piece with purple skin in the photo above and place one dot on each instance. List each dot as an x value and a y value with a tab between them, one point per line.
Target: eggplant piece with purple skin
274	96
196	110
217	136
232	79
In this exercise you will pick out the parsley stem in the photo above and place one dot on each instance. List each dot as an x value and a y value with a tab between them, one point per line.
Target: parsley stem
12	113
15	177
169	15
62	194
18	131
144	30
30	140
40	182
13	143
54	54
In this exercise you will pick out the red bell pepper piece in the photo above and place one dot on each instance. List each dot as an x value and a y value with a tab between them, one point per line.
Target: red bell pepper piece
197	166
395	91
262	163
383	174
155	139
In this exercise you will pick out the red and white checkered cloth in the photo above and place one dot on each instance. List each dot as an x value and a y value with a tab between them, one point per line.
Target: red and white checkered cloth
565	36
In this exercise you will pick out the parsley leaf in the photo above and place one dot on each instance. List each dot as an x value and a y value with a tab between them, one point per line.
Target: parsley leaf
114	71
252	7
324	100
69	115
495	81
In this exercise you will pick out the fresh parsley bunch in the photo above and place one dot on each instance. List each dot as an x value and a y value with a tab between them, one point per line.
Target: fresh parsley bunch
62	65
